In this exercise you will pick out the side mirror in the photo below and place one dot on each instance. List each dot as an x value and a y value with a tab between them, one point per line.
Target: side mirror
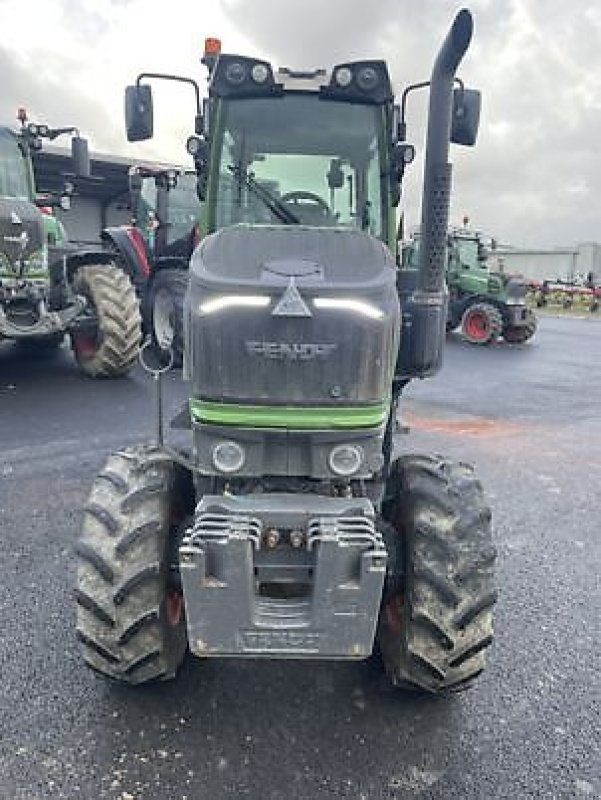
465	116
401	155
138	113
335	175
80	157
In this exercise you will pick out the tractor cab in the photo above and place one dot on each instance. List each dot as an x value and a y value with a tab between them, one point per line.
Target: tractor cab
16	175
165	209
467	250
312	149
319	149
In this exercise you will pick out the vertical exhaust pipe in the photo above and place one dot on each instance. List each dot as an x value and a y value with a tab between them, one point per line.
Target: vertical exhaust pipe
423	295
436	195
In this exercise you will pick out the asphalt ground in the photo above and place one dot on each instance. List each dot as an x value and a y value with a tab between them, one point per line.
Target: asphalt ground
528	417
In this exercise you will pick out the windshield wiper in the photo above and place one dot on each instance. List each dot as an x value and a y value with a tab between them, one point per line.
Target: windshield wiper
273	203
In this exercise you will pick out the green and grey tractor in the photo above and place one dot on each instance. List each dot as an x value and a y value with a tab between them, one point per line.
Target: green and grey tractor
484	303
48	286
295	524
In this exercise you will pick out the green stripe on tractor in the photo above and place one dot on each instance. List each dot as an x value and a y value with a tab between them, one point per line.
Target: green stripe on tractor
293	417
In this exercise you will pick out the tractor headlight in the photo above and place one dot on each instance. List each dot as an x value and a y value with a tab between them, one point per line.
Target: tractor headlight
351	304
259	73
345	459
360	82
239	76
228	457
225	301
235	73
343	76
37	262
367	79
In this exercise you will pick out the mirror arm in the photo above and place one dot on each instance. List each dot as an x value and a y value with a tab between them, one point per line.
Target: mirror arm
406	91
53	133
178	79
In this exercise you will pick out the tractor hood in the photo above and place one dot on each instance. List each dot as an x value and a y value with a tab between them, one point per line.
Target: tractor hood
245	256
21	235
516	287
287	315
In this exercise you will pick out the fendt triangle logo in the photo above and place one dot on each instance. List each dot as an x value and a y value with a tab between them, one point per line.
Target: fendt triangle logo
291	304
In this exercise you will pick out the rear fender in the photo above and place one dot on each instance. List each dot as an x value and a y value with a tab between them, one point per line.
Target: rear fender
129	244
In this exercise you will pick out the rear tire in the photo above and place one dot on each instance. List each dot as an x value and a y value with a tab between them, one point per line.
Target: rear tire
436	621
481	323
112	349
166	304
130	619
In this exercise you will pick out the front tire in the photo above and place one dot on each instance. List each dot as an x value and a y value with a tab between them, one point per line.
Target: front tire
518	334
110	350
481	323
130	615
166	304
436	621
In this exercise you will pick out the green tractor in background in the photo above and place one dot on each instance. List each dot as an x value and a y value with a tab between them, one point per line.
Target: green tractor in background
49	287
294	523
485	304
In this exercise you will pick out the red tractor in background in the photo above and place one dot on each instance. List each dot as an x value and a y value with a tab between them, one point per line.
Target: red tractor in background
157	245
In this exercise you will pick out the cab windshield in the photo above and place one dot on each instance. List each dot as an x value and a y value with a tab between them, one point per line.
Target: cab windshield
14	178
468	251
301	160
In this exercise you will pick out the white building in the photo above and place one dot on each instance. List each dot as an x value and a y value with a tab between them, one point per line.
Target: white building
560	263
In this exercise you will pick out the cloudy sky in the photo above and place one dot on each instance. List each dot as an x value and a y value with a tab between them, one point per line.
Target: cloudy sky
534	178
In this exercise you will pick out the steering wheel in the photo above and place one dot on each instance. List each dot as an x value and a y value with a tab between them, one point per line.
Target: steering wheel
316	204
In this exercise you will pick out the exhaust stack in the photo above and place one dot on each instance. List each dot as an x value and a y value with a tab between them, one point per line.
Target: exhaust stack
423	294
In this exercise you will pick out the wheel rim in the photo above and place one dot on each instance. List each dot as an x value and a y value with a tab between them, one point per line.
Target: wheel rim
477	325
163	314
174	608
85	345
393	614
87	340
